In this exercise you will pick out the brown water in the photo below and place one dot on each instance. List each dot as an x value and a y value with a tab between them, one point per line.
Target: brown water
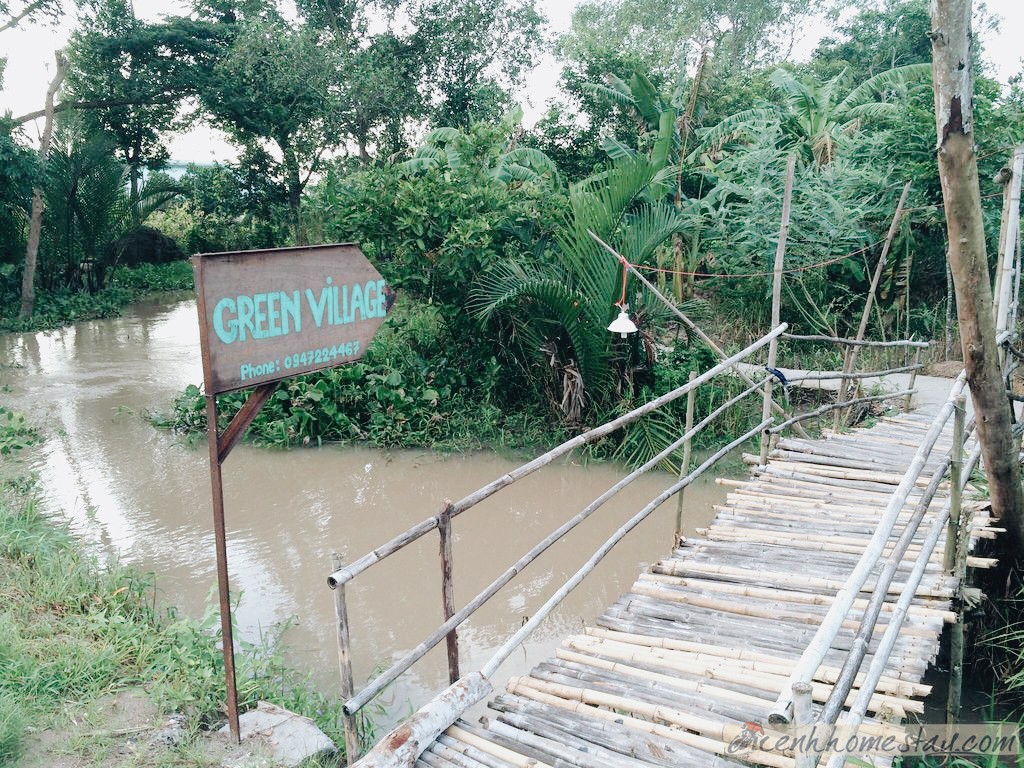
142	495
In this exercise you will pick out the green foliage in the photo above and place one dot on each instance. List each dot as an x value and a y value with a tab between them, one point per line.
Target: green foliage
408	391
814	118
63	307
15	432
558	306
114	59
19	170
877	39
227	207
478	51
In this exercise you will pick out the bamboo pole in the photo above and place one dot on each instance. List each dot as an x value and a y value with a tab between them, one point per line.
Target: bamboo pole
517	639
857	342
676	734
681	568
833	375
496	750
682	316
824	673
780	252
953	525
956	563
684	468
444	528
804	720
353	569
865	317
816	650
352	746
1008	234
913	379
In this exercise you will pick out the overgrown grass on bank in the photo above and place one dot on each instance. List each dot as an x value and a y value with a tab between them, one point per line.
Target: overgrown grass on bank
73	629
54	309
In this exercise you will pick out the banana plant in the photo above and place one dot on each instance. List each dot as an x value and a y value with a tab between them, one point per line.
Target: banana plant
485	150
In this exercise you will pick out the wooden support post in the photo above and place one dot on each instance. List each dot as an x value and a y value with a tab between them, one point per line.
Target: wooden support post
684	468
444	527
345	666
803	719
1009	232
851	358
957	541
223	582
913	379
951	555
780	252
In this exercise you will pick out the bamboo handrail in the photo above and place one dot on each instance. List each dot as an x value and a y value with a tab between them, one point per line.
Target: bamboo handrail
830	625
516	640
353	569
855	716
856	343
437	715
384	679
832	375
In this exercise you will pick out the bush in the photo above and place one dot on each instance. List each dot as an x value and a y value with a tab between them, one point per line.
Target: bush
409	390
54	309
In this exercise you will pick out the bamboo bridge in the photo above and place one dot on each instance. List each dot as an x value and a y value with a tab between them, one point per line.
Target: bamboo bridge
815	599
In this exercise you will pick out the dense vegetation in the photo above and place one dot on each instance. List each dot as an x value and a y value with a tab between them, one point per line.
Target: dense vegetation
393	124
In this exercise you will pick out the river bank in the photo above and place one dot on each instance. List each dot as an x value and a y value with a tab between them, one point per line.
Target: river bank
92	663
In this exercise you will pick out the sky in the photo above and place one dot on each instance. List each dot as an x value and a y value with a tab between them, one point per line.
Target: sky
30	63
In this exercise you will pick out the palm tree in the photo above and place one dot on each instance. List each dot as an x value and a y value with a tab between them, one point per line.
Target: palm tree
88	208
813	117
558	305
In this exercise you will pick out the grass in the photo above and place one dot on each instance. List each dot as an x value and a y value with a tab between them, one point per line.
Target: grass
73	630
54	309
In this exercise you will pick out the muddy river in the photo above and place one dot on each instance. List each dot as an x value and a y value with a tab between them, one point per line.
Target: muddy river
142	495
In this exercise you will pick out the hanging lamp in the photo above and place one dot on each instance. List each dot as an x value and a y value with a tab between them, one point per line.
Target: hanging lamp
622	324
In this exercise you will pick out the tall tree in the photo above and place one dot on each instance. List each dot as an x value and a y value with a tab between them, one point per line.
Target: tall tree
28	277
275	85
875	39
958	170
655	34
117	63
12	14
476	52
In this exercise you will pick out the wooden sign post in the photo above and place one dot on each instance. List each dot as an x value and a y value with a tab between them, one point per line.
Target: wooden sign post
265	316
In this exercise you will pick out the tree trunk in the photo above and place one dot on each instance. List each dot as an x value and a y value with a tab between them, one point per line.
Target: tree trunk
293	181
958	170
35	227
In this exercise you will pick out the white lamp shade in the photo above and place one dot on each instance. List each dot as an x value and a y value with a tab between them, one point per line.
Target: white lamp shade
622	325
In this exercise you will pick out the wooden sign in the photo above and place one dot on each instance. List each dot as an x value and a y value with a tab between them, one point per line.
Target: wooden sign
267	315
